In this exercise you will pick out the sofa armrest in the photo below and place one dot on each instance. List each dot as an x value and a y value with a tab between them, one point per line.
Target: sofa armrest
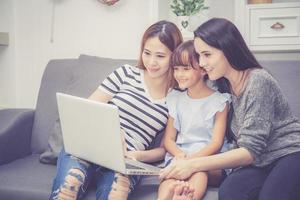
15	133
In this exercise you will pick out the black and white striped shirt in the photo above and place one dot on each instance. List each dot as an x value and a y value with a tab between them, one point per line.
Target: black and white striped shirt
141	117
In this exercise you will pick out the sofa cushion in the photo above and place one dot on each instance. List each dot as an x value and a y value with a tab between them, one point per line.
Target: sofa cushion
58	75
80	78
28	179
287	73
55	144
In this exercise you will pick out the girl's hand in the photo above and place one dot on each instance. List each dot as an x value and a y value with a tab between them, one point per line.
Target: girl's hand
178	169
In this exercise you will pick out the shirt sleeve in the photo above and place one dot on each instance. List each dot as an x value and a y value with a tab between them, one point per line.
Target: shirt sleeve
218	104
257	124
172	101
112	84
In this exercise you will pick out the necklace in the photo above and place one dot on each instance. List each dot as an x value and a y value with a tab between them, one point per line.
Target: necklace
239	86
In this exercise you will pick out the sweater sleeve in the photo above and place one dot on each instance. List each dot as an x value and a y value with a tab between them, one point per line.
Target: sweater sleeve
259	110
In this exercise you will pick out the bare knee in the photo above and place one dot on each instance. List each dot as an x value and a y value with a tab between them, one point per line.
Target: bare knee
120	187
73	181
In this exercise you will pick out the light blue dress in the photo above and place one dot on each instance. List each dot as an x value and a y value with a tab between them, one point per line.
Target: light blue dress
194	119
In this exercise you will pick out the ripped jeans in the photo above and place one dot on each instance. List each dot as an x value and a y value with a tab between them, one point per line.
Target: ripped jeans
74	176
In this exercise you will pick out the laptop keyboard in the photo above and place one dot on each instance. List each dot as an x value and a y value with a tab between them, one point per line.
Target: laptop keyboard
129	166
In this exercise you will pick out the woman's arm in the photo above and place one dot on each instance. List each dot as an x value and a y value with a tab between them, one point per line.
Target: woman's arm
182	169
217	137
167	144
99	95
152	155
169	139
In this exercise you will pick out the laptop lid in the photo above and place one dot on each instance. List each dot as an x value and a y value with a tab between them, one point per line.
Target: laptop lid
91	131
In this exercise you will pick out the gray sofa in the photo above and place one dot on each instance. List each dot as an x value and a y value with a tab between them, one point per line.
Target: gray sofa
24	133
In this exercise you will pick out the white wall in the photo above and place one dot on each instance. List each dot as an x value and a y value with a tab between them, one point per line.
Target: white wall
7	64
80	27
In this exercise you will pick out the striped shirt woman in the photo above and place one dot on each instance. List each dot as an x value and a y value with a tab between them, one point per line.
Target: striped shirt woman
141	117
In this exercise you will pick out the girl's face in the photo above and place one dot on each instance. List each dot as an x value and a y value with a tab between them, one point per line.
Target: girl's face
156	57
187	76
212	60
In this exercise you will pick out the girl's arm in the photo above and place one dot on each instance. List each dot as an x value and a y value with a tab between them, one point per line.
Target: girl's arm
170	138
217	137
183	169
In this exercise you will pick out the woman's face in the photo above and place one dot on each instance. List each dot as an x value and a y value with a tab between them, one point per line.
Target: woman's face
156	57
212	60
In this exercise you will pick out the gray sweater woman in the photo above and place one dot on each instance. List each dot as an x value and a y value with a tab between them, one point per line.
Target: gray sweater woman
263	122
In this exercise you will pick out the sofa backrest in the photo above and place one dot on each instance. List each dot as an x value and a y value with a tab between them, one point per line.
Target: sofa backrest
288	75
79	77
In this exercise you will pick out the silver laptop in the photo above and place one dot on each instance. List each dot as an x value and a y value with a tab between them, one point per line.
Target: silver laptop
91	131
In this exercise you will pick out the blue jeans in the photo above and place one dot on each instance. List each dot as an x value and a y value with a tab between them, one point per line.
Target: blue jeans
103	177
277	181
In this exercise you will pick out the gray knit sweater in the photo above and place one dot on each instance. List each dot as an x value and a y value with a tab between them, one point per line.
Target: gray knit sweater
263	122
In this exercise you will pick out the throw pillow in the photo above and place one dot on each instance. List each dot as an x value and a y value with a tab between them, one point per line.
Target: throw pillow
55	144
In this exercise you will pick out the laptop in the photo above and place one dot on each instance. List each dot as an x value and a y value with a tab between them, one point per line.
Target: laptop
91	131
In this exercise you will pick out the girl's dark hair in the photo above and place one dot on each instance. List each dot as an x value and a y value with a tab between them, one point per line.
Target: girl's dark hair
223	35
185	55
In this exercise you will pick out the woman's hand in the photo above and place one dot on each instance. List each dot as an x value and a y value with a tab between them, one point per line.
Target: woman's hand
180	169
181	155
134	155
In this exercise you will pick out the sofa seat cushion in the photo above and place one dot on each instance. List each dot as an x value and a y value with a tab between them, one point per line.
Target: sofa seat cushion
31	180
28	179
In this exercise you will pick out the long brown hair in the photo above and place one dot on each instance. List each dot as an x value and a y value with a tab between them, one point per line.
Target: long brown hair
168	34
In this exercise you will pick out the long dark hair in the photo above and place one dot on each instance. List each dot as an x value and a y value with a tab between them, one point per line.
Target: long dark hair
223	35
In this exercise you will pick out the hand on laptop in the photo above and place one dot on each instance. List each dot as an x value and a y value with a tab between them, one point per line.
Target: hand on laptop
134	155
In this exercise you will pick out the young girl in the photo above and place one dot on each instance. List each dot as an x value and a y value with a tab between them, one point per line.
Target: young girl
197	118
266	134
139	92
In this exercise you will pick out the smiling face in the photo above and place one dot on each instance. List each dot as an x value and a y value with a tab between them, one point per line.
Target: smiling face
188	77
212	60
156	57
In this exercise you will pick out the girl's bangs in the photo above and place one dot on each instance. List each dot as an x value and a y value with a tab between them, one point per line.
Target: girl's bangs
180	58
